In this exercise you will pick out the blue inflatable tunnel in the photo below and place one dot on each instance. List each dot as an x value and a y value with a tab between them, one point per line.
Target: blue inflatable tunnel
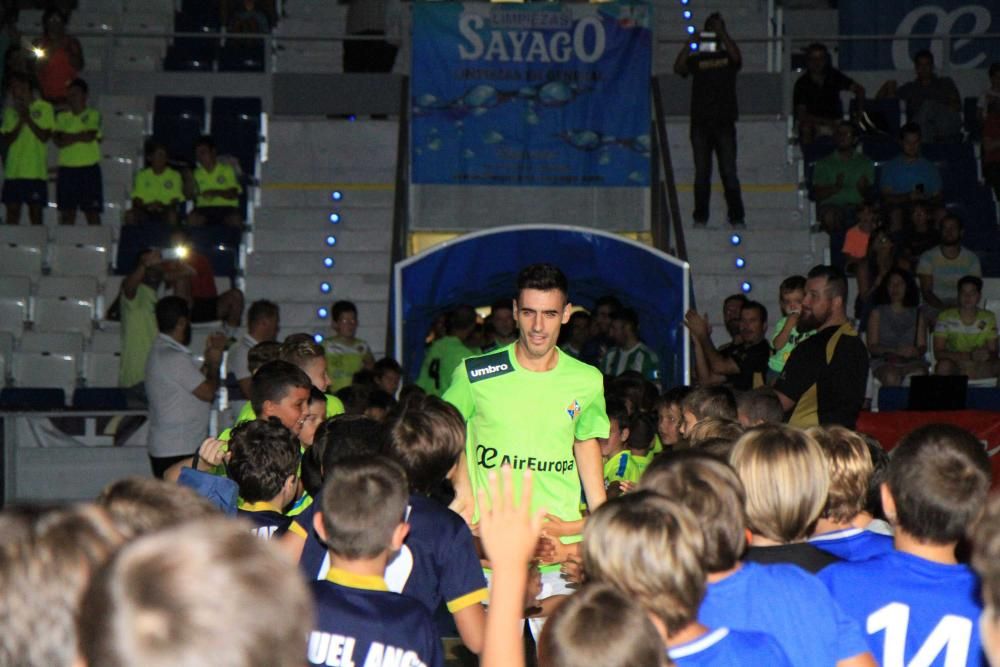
481	267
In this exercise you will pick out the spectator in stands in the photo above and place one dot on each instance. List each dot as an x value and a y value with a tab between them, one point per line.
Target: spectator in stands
785	335
600	327
825	377
908	178
989	119
986	561
759	406
59	57
263	322
501	318
965	338
742	366
78	136
816	96
897	334
368	17
445	354
932	102
216	188
713	116
841	181
629	353
921	234
25	131
882	256
576	334
158	189
940	268
732	309
180	391
345	353
207	305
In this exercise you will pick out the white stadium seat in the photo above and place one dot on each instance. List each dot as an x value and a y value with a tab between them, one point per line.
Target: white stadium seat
106	340
41	369
101	369
79	260
29	235
20	260
63	314
13	313
61	342
100	235
6	351
82	287
15	286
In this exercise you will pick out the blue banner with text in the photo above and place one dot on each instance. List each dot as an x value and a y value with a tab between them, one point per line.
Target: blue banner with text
538	94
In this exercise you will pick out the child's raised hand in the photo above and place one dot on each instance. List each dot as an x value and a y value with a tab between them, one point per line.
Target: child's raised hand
509	530
213	452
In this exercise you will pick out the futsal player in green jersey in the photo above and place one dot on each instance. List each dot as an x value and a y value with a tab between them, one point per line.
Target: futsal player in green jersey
25	131
445	354
532	407
78	136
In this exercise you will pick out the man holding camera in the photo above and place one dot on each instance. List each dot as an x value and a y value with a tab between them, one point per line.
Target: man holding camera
713	59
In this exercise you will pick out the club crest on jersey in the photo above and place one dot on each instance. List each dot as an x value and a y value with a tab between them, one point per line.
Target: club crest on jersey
573	409
491	365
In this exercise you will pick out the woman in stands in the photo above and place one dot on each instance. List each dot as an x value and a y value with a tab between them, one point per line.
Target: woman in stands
59	57
883	255
897	334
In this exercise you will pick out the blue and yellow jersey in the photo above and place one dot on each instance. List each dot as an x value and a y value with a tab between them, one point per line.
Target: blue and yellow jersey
360	622
268	521
437	565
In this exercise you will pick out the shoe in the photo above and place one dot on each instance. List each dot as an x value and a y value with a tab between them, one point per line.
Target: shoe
738	224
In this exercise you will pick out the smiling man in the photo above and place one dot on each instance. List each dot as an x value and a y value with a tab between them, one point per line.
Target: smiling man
533	407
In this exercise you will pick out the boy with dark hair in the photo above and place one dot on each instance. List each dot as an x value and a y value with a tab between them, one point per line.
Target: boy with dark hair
345	353
264	461
918	603
261	353
670	416
217	189
157	190
25	131
363	521
445	354
78	136
708	402
387	375
616	455
759	406
780	599
140	505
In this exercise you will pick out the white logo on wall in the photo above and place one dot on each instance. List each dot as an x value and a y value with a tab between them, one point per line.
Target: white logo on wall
944	22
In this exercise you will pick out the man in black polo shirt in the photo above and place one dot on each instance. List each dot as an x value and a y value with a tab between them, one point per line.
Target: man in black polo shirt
816	97
741	366
713	59
824	378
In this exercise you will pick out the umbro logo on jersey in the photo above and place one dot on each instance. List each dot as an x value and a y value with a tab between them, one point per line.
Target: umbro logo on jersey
491	365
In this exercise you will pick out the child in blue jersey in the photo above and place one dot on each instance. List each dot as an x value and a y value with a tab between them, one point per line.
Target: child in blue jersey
986	561
842	527
781	600
651	549
920	606
264	462
359	621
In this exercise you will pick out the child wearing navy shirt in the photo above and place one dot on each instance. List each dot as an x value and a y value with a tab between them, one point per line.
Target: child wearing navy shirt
264	461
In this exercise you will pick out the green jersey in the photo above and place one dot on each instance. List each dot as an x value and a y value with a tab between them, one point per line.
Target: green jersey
443	357
164	188
27	155
81	153
624	467
529	421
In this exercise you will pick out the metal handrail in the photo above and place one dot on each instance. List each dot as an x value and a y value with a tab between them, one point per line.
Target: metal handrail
401	201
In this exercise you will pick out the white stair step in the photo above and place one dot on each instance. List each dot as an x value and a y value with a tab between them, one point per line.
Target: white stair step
294	263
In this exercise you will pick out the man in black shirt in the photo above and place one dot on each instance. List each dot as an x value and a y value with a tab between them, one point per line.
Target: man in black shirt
817	95
742	366
713	59
825	377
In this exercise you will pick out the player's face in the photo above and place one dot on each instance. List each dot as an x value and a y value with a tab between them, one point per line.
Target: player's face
911	145
751	326
503	322
540	314
270	328
816	306
316	370
205	156
617	332
290	409
389	382
346	325
313	418
158	160
668	426
602	319
968	296
791	301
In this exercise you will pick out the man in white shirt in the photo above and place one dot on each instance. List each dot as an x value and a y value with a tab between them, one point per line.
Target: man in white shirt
180	391
263	320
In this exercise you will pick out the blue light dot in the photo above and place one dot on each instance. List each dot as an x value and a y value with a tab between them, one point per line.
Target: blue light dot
740	262
746	286
318	338
694	46
334	218
684	2
690	29
324	288
336	195
736	239
328	262
322	313
331	240
352	118
687	14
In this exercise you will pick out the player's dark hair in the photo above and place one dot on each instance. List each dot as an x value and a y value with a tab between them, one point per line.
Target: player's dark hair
262	309
939	476
386	365
299	351
340	307
347	436
638	392
642	428
543	277
760	406
673	396
150	146
911	298
140	505
426	437
923	54
742	298
355	398
169	311
715	401
461	318
261	353
380	400
758	306
910	128
272	382
712	490
615	408
791	284
205	140
362	503
263	455
836	281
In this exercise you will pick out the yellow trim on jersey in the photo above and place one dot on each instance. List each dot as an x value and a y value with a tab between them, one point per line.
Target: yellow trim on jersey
260	506
295	527
366	582
467	600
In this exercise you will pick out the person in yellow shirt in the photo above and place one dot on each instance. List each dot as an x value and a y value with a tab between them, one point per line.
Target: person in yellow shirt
26	127
157	190
78	136
216	188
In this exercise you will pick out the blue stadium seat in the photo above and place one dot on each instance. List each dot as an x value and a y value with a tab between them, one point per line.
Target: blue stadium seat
193	54
236	128
23	398
181	58
136	238
100	398
178	121
221	245
983	398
